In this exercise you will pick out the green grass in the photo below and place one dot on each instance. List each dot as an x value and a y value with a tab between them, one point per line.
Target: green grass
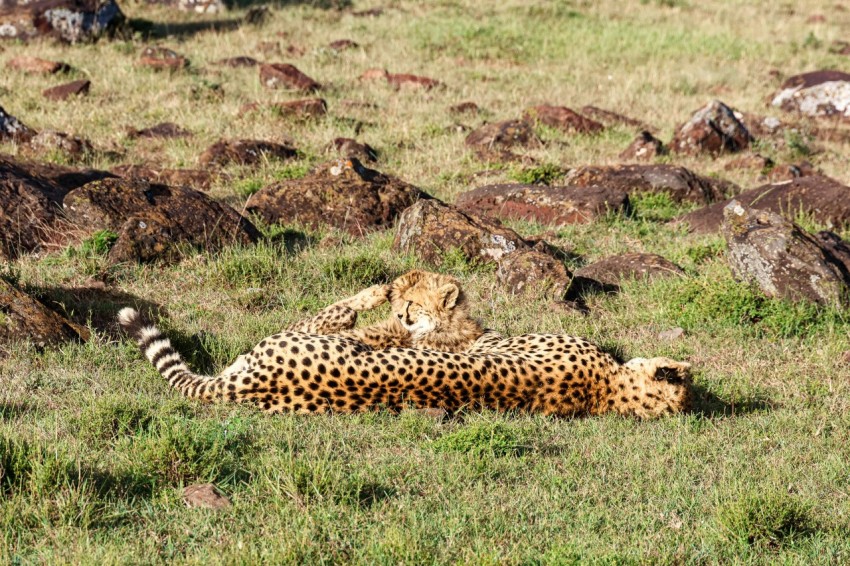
95	448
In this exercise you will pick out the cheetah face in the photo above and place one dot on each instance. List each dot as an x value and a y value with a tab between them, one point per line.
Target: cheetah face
425	302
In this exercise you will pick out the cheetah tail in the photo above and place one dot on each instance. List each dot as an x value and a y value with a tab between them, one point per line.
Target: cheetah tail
158	350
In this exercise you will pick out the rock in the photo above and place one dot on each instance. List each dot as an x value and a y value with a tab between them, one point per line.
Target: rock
750	161
645	147
791	171
64	177
69	20
244	152
713	129
608	118
205	496
22	318
35	65
162	58
399	80
307	108
198	179
839	47
819	93
556	206
283	75
613	270
823	199
343	194
835	247
682	185
12	129
347	147
762	126
237	62
152	220
431	229
523	270
343	44
197	6
782	259
562	118
67	90
671	334
162	130
49	141
465	108
503	135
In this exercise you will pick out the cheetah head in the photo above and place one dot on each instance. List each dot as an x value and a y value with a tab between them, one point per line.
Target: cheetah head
425	302
667	385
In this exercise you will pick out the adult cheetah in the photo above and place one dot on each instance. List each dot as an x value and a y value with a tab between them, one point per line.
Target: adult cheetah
306	370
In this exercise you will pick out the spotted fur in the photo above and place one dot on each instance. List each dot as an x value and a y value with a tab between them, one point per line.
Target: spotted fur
306	370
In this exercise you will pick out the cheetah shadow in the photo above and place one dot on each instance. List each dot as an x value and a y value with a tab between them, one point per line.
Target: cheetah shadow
709	405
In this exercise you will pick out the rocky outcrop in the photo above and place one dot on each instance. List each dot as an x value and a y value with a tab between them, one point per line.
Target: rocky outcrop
682	185
816	94
713	129
783	260
69	20
548	205
343	194
24	319
613	270
152	220
821	198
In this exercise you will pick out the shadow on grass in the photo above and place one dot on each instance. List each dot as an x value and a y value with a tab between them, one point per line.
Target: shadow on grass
14	409
709	405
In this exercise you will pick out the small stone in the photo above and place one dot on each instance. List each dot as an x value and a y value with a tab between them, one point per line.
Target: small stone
645	147
66	91
36	65
307	108
347	147
284	75
162	58
504	135
205	496
671	334
713	129
562	118
162	130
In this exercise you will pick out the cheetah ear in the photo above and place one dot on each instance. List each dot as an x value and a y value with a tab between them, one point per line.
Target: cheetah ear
407	280
674	372
449	294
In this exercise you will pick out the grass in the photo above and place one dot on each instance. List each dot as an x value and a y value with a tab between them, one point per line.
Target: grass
95	448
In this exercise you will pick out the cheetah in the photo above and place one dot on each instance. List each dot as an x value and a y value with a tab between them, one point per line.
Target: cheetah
323	365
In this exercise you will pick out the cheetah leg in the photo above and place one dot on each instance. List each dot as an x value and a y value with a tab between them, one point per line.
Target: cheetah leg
367	299
342	315
384	334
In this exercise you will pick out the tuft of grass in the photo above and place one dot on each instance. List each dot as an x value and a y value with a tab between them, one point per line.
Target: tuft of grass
98	243
110	418
364	269
484	437
656	207
772	520
544	174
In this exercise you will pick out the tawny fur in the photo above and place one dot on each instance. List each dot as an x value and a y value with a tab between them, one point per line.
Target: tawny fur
302	371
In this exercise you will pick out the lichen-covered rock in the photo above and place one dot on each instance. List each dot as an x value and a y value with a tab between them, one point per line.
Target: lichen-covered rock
819	93
549	205
343	194
12	129
713	129
244	152
613	270
645	147
24	319
821	198
781	258
69	20
152	219
682	185
431	229
527	270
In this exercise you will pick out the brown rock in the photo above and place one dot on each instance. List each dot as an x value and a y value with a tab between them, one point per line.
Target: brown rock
48	142
782	259
161	130
549	205
791	171
244	152
682	185
713	129
36	65
343	44
343	194
64	177
840	47
162	58
503	135
24	319
69	20
283	75
398	80
67	90
762	126
347	147
613	270
824	199
198	179
152	220
205	496
465	108
12	129
750	161
431	229
531	269
562	118
646	147
816	94
236	62
307	108
608	118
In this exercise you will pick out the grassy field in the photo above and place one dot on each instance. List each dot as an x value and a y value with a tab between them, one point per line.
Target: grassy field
96	448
